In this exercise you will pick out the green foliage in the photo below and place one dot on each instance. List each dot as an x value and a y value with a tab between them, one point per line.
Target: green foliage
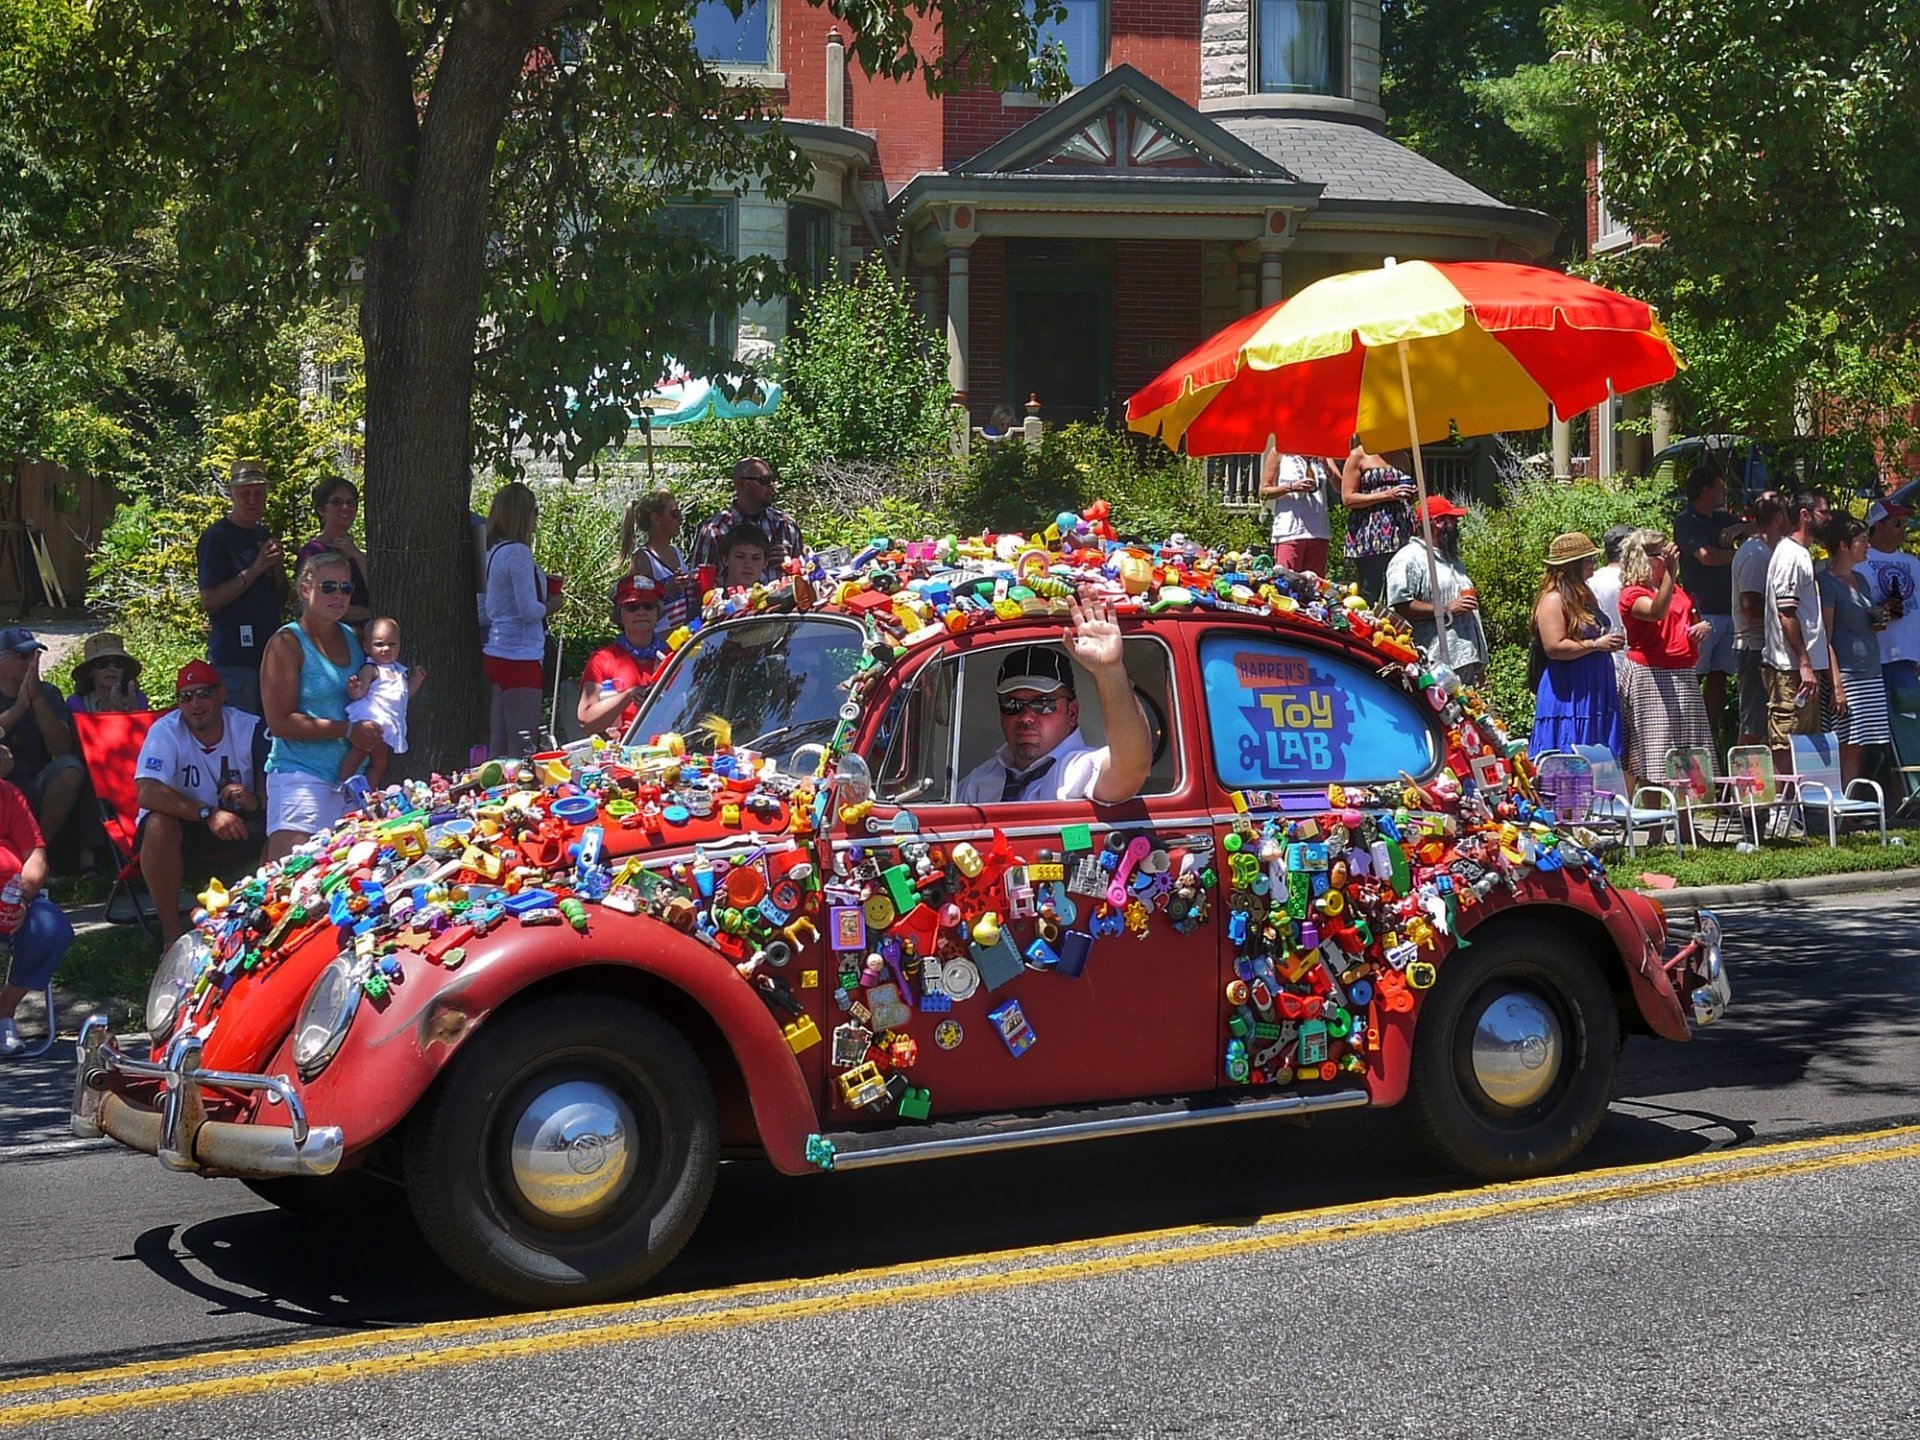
1790	859
1505	687
1015	486
1442	63
868	373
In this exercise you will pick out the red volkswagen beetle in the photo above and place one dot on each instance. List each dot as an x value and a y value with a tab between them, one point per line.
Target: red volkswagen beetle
789	918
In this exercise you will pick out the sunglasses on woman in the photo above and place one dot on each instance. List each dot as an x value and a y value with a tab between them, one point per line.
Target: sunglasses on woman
1039	705
334	587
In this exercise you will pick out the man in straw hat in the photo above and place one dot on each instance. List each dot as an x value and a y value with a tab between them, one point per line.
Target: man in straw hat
243	584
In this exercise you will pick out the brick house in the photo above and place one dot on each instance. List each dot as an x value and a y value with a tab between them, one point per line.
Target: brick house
1215	156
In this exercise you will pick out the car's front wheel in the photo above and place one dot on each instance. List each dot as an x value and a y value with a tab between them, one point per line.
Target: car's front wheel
1514	1055
567	1153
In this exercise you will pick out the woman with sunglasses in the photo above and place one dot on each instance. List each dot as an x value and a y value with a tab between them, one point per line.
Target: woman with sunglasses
303	689
335	503
647	535
617	675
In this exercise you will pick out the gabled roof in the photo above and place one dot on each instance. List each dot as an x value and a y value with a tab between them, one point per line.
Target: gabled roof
1125	124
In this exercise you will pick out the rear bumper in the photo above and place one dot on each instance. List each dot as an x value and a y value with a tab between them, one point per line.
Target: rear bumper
113	1094
1698	971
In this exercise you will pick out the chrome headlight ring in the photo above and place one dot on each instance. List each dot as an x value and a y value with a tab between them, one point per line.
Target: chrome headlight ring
326	1016
173	980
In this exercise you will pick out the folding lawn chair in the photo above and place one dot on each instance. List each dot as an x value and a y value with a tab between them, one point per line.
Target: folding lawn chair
1698	791
110	744
1903	713
1817	787
53	1016
1613	806
1751	785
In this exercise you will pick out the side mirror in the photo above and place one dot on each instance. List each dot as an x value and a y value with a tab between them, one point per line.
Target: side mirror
853	781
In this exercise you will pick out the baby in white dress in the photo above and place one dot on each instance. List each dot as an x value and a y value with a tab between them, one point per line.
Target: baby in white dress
379	691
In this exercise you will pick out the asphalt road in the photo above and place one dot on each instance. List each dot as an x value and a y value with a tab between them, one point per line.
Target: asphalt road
1129	1287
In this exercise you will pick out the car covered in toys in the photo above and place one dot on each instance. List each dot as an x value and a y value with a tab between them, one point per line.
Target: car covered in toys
817	908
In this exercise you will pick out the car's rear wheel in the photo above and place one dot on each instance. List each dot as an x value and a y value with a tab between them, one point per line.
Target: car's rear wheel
567	1153
1513	1060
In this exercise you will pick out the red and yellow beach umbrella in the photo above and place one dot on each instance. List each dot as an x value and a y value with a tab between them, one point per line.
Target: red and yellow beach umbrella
1472	346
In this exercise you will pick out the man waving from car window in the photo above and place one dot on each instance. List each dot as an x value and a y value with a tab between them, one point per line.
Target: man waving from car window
1046	757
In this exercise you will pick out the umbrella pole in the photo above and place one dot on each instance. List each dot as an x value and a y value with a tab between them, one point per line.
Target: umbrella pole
1426	521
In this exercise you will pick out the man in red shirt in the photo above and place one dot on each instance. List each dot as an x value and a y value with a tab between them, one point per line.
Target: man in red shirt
617	675
40	933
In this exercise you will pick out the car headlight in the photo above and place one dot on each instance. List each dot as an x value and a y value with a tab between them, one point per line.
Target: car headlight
172	982
325	1017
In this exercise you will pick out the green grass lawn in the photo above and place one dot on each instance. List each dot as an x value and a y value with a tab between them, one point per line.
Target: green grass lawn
111	967
1790	859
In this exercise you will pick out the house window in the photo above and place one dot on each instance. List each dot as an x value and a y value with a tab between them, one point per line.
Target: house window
1301	46
1083	36
1608	233
712	222
741	42
810	247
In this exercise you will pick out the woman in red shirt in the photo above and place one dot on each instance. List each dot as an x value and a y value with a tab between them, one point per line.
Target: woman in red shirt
39	932
1658	690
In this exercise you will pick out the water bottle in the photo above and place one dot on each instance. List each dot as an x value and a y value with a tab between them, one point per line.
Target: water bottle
12	909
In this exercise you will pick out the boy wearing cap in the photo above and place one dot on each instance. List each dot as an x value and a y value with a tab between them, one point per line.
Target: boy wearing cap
243	585
1045	756
198	780
1409	592
34	725
617	675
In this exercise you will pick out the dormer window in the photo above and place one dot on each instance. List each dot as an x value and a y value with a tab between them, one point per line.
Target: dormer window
1300	47
734	42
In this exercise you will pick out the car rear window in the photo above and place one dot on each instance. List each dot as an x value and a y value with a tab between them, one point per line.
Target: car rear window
1285	714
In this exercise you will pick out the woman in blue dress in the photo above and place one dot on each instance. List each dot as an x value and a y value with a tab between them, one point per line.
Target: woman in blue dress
1576	701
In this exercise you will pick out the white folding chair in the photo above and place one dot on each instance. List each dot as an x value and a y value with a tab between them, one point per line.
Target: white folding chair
1613	805
1817	786
1750	784
1699	792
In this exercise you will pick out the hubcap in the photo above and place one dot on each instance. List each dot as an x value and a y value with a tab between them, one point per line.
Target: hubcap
1517	1048
571	1153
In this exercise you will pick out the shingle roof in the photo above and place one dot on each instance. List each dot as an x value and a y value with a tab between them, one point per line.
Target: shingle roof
1353	161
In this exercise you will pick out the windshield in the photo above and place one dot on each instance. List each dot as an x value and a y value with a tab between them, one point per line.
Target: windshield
776	681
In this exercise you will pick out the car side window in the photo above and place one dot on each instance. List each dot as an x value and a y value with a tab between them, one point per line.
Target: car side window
1283	714
1149	667
912	753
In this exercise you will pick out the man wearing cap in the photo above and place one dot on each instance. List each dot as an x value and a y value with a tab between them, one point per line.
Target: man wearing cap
1045	756
33	723
754	482
1409	592
617	675
243	584
199	783
1707	534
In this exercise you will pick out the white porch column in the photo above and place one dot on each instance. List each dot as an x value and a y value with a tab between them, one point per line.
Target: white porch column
1269	276
1662	425
958	299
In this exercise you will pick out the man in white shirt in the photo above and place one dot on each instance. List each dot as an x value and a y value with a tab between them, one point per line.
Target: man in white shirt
1409	585
1796	636
1750	613
1045	756
199	782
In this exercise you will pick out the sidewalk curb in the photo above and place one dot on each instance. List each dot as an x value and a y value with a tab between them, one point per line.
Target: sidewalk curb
1759	892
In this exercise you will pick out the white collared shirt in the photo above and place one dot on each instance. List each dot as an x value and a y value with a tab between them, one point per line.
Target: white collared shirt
1076	769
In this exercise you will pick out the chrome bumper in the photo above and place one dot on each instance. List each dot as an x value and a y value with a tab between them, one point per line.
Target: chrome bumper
180	1132
1699	972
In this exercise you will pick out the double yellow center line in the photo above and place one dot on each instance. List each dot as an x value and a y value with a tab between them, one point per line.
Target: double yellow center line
373	1355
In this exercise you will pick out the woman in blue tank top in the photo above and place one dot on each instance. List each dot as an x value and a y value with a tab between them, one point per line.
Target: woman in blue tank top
303	689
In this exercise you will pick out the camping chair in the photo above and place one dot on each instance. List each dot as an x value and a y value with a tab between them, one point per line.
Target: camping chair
1565	782
53	1017
1903	713
110	744
1613	806
1817	787
1699	791
1751	785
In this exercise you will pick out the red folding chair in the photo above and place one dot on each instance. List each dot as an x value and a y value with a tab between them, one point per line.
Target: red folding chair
110	744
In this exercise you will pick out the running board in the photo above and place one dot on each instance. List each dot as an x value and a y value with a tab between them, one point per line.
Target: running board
858	1150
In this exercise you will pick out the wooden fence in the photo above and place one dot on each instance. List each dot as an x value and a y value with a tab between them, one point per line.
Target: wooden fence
53	519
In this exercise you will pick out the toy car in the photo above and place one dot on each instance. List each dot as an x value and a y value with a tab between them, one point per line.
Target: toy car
540	1003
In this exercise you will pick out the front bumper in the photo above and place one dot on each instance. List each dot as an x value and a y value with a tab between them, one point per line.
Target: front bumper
1699	973
179	1131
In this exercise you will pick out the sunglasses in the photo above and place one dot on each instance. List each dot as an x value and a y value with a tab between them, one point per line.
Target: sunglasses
1039	704
334	587
198	692
639	605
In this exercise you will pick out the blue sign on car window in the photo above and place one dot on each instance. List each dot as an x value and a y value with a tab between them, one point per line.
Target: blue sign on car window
1289	715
